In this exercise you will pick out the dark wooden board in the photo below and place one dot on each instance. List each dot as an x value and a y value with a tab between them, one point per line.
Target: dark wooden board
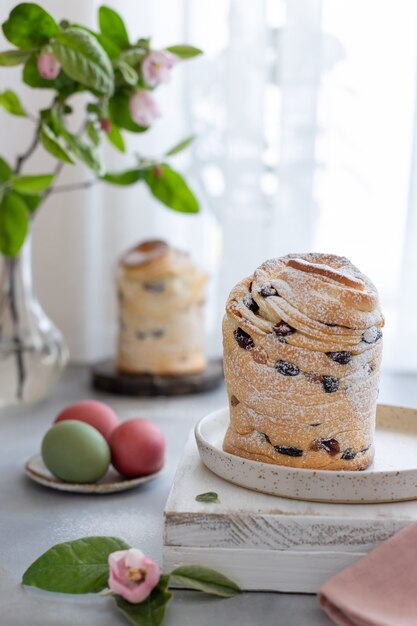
105	377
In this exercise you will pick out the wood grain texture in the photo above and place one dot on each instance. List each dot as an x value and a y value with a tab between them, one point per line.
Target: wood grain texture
267	542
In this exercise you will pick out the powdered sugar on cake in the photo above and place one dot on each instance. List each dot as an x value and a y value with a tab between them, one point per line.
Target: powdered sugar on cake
315	378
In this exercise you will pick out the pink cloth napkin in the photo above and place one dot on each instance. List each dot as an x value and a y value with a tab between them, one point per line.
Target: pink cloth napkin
378	590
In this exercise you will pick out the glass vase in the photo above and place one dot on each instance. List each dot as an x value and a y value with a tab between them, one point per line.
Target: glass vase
33	352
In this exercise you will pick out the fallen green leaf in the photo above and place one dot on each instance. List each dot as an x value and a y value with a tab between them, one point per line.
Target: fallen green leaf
79	566
151	612
205	579
209	496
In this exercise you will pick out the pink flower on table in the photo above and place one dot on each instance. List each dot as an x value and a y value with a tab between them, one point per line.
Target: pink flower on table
48	66
143	108
156	67
132	575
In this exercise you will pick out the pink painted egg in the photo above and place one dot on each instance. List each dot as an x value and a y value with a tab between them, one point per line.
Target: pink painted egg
94	413
137	448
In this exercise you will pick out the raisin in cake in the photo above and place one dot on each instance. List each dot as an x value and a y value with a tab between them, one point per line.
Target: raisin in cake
161	295
302	351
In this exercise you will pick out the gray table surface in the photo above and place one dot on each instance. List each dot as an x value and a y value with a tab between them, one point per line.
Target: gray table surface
33	518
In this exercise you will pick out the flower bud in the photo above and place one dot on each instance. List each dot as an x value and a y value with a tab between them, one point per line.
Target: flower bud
48	66
143	108
105	124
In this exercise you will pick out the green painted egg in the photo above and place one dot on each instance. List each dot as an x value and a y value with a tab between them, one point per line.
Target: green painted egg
75	452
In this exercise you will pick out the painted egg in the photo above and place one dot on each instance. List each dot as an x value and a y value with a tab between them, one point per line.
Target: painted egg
137	448
97	414
75	452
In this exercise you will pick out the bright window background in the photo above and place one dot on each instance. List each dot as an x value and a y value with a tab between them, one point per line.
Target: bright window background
305	116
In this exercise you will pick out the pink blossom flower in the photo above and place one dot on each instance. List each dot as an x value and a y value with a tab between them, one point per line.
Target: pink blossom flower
156	67
132	575
48	66
143	108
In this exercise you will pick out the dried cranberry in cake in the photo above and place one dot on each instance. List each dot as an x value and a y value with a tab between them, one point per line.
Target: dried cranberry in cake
330	384
331	446
250	303
348	454
282	329
372	335
268	290
288	450
244	340
287	369
154	287
340	357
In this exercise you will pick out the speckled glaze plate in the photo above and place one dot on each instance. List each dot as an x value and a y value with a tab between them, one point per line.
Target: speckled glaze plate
112	482
391	478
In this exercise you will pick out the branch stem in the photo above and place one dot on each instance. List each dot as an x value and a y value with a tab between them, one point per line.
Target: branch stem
31	149
74	186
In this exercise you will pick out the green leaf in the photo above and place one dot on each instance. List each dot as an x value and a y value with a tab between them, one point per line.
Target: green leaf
52	145
32	184
120	114
130	76
128	177
113	27
205	579
93	133
151	612
29	26
179	147
116	138
209	496
62	83
170	188
112	49
184	52
84	152
32	202
14	57
14	221
79	566
5	171
10	101
84	60
133	56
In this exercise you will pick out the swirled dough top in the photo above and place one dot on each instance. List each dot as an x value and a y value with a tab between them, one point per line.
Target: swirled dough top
324	297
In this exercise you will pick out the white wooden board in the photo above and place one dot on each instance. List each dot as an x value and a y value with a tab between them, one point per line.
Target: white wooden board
267	542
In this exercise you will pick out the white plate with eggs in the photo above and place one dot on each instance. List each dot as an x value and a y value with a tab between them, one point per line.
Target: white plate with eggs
112	482
392	477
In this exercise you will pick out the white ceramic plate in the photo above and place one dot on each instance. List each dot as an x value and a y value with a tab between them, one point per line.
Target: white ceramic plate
112	482
392	477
